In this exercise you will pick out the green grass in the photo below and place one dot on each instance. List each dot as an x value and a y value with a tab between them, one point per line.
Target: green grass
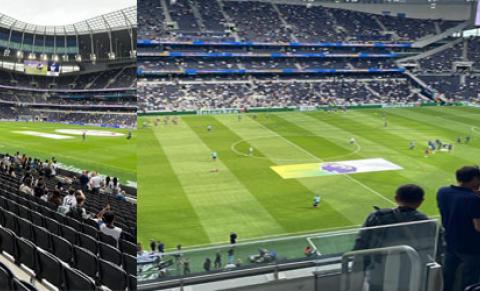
185	200
114	156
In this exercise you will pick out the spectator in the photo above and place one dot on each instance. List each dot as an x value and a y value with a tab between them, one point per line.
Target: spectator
78	211
408	198
84	181
106	219
55	198
218	261
308	251
25	187
233	238
207	265
69	201
460	211
95	183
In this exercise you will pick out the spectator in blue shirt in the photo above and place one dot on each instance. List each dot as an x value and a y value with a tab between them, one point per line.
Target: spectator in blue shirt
460	210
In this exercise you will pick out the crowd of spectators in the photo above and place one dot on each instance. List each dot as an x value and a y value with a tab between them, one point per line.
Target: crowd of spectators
268	22
108	79
353	90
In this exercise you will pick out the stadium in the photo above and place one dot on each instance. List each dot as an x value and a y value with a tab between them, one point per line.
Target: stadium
269	130
68	149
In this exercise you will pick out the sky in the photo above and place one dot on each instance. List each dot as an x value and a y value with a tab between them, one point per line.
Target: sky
60	12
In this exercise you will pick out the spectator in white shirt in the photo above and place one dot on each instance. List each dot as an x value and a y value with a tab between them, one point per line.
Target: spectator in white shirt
95	183
25	187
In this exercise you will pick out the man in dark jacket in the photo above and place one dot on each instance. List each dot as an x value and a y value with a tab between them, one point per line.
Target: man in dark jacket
408	198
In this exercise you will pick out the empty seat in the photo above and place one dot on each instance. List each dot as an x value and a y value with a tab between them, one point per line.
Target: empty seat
52	225
11	221
26	253
42	237
38	218
7	241
24	212
73	223
85	261
62	248
110	253
130	264
76	280
128	237
6	277
25	229
132	282
128	247
49	268
69	233
112	275
88	242
90	230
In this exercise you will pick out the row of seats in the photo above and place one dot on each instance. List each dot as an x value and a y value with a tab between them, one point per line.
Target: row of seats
46	267
76	247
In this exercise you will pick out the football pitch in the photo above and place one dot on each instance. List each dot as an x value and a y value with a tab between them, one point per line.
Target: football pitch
104	150
189	199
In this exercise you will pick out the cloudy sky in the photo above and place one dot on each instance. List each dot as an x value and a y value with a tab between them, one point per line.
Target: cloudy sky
58	12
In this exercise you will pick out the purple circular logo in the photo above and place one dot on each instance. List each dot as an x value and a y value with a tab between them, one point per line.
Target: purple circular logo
338	168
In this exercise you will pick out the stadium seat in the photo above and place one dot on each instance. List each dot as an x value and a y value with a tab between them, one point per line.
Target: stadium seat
25	229
38	219
85	261
107	239
26	253
90	230
49	268
69	233
62	248
7	241
24	212
6	276
112	275
128	237
52	225
110	253
130	264
88	242
75	280
43	238
18	285
132	282
73	223
11	221
128	247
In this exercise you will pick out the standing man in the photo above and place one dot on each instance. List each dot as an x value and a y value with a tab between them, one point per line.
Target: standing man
408	198
84	135
460	210
233	238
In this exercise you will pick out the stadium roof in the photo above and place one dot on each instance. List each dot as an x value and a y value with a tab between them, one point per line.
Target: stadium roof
116	20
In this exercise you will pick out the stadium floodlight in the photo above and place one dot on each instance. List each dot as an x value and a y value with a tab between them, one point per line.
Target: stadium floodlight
65	58
44	57
111	56
55	58
19	54
6	52
78	58
32	56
